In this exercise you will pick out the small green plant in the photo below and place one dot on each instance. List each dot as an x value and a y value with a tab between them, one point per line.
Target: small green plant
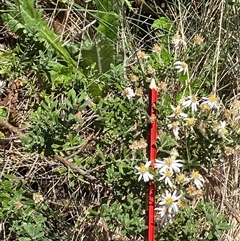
55	123
20	213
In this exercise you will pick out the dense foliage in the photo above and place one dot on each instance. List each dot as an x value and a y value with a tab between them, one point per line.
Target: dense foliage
74	118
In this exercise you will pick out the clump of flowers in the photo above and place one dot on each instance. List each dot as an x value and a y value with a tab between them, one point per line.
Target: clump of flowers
137	145
195	130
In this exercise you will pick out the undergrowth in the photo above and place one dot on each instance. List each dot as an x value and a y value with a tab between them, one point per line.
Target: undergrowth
74	81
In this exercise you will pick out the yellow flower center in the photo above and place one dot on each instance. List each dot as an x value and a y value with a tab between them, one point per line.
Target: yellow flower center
141	55
212	98
169	201
175	125
180	178
223	131
184	65
126	92
198	39
182	203
18	205
139	92
156	48
205	107
151	70
168	161
134	78
143	169
229	150
168	173
194	98
195	174
177	111
177	37
191	121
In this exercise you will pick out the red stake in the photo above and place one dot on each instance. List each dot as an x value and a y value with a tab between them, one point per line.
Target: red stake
152	157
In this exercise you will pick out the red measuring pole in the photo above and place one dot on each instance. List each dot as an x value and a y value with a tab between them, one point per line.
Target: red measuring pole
152	157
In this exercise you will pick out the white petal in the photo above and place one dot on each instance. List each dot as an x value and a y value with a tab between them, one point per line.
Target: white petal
178	63
148	164
140	177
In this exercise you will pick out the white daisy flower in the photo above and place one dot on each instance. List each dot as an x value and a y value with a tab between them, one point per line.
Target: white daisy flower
170	201
37	197
175	128
181	67
166	176
221	128
164	215
191	101
211	101
177	112
178	41
197	179
144	173
168	163
129	93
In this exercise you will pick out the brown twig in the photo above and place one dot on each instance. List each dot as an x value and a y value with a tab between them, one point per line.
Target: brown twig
80	147
74	167
10	127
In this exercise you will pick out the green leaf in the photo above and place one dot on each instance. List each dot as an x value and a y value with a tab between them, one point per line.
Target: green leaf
1	134
166	56
9	176
24	239
53	40
3	113
223	226
95	90
93	212
109	25
162	23
29	19
101	53
129	5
